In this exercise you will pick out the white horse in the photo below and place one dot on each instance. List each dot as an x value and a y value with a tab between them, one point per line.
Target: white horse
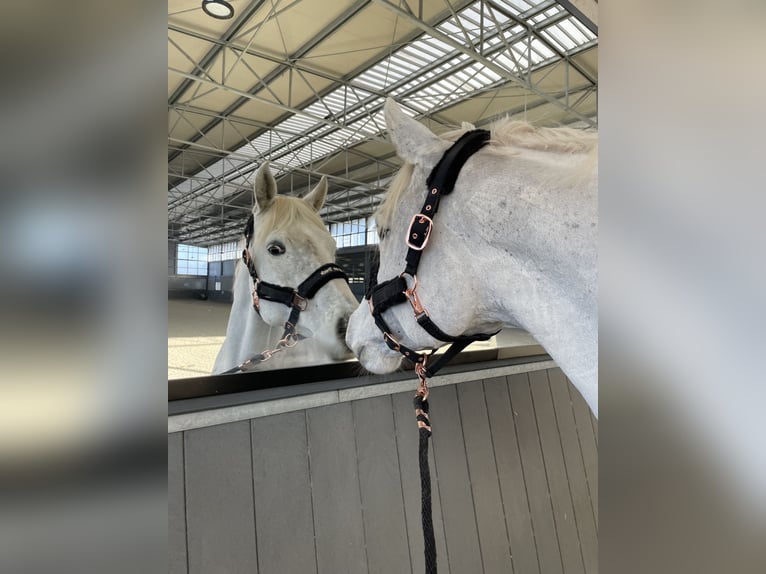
288	244
514	245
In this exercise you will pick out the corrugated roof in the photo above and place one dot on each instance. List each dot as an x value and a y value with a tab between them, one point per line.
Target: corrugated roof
303	85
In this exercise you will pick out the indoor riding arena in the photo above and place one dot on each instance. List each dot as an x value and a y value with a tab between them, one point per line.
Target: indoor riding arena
300	459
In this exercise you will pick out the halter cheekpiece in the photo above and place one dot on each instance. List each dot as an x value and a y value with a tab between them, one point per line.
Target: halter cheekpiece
383	296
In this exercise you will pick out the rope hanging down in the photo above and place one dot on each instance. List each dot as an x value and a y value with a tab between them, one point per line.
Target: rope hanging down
424	430
441	182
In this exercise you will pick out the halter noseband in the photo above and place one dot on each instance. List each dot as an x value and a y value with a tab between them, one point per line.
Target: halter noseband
297	299
385	295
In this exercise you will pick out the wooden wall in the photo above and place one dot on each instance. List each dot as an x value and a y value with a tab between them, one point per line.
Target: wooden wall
335	489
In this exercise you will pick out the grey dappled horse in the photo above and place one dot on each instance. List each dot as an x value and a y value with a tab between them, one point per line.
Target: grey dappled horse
514	245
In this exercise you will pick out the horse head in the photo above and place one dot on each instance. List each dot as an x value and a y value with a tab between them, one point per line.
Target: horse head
287	244
440	287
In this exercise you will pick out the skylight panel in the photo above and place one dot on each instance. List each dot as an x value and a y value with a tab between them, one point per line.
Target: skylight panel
449	27
442	47
506	62
490	75
580	27
414	53
491	17
406	64
470	19
298	123
559	39
372	79
576	35
519	6
541	50
426	51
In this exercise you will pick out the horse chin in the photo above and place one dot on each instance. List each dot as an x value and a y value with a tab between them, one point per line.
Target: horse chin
379	361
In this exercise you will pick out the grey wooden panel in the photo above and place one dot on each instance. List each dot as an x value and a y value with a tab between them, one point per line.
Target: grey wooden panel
548	553
490	520
381	487
176	506
338	520
407	444
511	475
219	495
555	470
578	483
454	482
283	511
587	436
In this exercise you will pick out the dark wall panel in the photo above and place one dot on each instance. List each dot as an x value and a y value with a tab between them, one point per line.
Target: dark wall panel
219	499
338	520
538	490
381	487
510	474
454	482
336	489
578	484
282	486
555	471
176	506
485	486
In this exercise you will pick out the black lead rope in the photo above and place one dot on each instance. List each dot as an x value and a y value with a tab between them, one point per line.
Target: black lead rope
424	430
440	182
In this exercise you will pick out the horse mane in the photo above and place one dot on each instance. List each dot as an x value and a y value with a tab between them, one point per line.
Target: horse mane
507	138
286	212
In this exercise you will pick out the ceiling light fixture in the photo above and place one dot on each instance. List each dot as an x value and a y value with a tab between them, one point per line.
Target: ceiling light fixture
218	9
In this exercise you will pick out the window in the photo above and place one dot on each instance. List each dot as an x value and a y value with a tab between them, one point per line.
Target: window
223	252
350	233
191	260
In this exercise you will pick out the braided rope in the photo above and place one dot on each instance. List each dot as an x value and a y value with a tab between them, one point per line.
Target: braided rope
424	430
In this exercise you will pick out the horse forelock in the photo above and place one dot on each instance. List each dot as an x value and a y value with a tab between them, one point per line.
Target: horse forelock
286	213
508	137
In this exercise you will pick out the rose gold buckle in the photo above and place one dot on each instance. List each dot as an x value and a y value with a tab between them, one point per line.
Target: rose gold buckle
420	218
412	297
300	302
390	337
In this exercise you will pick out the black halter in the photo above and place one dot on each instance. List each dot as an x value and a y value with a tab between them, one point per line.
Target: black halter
297	299
381	297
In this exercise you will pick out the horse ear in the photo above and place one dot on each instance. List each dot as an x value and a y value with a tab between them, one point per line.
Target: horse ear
265	187
411	139
315	198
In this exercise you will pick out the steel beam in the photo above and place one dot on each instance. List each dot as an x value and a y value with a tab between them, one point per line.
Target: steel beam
500	70
210	56
586	11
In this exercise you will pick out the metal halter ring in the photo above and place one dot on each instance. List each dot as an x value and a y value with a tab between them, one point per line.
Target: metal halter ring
412	297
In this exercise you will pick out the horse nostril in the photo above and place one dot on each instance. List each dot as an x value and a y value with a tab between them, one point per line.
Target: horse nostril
341	327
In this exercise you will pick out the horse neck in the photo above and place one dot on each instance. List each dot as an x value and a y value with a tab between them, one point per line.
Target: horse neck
530	249
537	218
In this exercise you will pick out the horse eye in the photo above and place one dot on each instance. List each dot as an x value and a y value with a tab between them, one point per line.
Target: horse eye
275	248
382	233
